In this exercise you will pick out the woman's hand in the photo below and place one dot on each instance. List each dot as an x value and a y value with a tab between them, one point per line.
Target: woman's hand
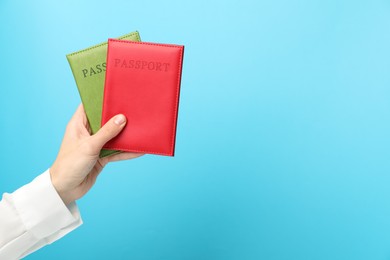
77	165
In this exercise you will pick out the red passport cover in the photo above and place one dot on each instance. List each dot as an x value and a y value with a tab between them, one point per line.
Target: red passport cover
143	83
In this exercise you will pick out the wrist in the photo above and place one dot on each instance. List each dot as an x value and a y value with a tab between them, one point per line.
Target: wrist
63	193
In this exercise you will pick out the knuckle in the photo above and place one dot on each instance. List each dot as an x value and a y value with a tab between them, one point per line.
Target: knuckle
69	126
107	131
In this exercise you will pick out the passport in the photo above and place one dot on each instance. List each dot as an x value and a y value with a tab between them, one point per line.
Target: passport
143	83
88	68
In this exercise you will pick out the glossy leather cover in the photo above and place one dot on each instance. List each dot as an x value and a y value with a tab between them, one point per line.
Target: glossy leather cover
143	83
88	67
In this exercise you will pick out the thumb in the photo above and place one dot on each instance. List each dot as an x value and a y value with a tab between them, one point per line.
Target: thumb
111	129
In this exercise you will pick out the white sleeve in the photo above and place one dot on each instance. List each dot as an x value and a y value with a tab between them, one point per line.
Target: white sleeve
34	216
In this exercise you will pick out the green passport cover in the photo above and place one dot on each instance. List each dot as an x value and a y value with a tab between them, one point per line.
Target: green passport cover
88	68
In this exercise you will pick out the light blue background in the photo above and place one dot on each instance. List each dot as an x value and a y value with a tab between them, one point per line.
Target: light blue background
283	133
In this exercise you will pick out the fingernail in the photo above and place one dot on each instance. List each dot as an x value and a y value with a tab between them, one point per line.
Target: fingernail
119	119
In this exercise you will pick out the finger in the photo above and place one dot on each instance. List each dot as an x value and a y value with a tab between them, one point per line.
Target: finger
79	114
79	123
111	129
95	173
82	116
121	157
88	127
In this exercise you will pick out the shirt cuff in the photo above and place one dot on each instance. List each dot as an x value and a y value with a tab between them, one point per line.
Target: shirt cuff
42	210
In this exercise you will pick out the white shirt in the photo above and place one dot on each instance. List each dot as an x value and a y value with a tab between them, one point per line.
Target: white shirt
34	216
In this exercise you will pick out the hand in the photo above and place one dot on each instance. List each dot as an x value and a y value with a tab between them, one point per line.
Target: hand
77	165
